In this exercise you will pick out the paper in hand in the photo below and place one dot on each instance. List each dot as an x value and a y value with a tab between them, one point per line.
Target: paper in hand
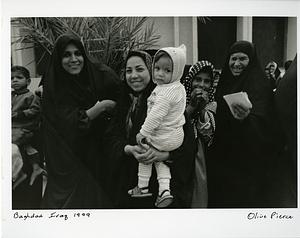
240	98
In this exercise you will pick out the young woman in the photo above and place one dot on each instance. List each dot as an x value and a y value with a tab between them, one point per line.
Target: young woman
78	97
124	152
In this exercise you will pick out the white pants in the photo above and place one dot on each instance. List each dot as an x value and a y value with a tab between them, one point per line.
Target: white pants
162	170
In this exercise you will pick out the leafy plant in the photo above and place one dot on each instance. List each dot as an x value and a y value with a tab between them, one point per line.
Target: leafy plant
106	38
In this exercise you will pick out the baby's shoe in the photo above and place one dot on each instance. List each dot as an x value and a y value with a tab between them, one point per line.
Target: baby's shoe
164	199
138	192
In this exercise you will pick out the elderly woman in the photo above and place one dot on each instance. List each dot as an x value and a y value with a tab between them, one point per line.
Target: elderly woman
124	152
201	109
78	97
243	150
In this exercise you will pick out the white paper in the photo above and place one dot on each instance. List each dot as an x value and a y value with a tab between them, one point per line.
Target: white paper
240	98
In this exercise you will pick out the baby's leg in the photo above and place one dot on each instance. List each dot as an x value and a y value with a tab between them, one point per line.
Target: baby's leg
163	176
144	175
164	198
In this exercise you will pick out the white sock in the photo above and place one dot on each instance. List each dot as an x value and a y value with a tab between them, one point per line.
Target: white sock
164	184
143	182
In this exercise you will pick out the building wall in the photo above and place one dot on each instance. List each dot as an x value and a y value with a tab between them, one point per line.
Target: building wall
291	46
24	57
175	31
165	27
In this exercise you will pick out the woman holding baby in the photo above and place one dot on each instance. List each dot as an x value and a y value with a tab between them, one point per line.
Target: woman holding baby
243	152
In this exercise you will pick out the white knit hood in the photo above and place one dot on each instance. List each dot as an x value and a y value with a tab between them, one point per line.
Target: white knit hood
178	56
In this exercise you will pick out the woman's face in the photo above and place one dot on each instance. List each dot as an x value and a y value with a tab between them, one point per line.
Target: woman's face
202	80
238	62
137	74
272	69
72	59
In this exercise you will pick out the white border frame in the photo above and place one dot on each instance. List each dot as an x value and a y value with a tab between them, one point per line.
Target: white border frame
136	223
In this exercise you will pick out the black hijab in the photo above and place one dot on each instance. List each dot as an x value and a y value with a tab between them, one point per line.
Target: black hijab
72	143
61	87
65	95
252	80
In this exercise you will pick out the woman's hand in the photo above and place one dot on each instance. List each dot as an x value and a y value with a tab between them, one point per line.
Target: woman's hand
240	112
146	154
106	105
134	150
199	98
100	107
153	155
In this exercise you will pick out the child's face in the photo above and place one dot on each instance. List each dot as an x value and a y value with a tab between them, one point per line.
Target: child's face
163	70
18	81
202	80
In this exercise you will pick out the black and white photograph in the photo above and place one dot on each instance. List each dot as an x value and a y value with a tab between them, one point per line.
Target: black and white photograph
166	124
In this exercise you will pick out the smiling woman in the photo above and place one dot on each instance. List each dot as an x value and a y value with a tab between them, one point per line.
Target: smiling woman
72	60
238	62
243	154
137	75
78	98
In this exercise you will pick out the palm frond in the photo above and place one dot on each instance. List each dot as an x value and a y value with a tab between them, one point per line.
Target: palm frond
106	38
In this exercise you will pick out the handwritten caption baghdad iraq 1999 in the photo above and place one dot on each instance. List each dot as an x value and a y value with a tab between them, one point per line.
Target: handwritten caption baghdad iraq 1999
50	215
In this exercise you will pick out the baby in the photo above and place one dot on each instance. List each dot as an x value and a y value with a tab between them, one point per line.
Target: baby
163	126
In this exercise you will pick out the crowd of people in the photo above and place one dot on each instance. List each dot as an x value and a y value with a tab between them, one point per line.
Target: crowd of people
159	136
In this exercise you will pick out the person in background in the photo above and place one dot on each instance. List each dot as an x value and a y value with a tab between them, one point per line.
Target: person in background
201	109
25	115
273	73
286	106
287	64
78	100
124	152
243	152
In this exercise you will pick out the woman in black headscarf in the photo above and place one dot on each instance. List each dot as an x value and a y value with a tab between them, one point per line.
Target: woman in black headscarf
78	98
273	73
125	154
243	151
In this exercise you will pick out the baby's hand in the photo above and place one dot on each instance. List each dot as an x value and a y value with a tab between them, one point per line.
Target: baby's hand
139	139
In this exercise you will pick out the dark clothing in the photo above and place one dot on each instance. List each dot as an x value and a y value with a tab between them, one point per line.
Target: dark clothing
286	105
123	169
73	143
26	196
243	152
25	110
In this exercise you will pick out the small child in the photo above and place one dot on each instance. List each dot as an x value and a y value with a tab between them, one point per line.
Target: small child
163	127
25	112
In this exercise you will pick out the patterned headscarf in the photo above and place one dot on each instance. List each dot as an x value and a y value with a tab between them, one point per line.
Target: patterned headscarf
210	108
194	70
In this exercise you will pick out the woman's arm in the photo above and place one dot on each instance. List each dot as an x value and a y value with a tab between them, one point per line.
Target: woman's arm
100	107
